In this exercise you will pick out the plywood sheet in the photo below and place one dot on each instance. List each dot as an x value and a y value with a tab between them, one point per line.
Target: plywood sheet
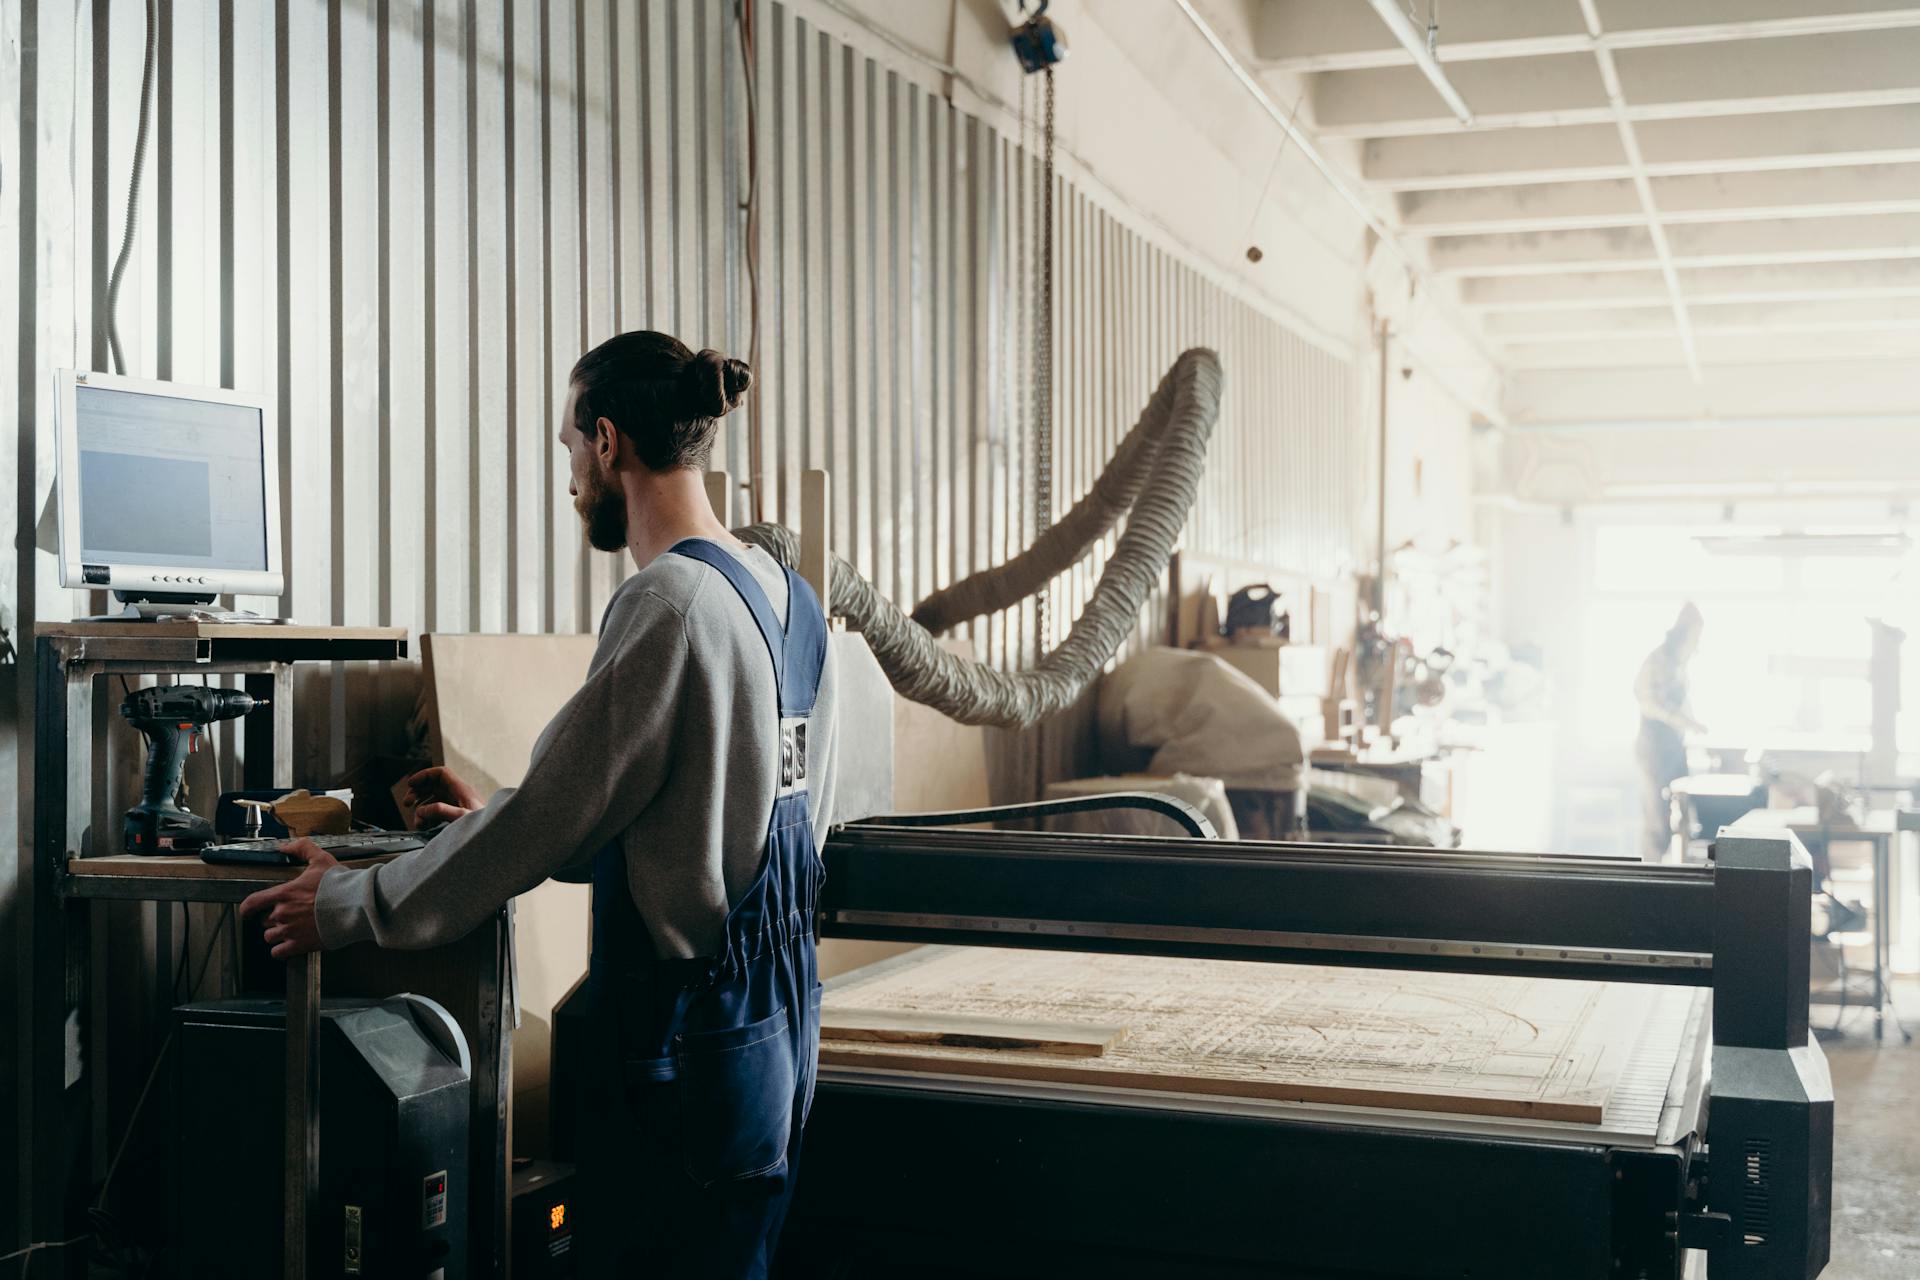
487	699
489	696
938	763
969	1031
1494	1046
188	866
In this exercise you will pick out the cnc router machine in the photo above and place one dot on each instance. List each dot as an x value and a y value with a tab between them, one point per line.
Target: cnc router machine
949	1162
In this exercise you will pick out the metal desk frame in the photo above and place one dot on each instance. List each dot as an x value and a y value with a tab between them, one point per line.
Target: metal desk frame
1881	840
67	1031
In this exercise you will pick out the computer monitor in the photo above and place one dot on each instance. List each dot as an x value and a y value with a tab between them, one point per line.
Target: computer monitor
166	492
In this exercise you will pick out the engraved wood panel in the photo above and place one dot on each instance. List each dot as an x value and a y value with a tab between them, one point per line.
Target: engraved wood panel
1495	1046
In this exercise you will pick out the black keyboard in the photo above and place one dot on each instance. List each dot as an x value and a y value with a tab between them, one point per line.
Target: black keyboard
358	844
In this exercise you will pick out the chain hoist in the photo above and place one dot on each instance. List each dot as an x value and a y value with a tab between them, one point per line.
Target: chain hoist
1040	46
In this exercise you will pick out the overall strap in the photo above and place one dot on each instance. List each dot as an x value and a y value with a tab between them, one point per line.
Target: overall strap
749	592
798	650
806	654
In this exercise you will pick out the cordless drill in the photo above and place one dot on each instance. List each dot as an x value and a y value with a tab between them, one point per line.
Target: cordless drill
172	717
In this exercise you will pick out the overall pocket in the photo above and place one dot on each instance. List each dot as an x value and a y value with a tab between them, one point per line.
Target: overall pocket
810	1059
736	1096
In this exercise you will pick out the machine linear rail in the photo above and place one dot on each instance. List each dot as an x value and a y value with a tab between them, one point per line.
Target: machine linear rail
1323	904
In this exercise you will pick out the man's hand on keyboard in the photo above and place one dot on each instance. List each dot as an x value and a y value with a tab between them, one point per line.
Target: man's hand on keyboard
291	927
440	796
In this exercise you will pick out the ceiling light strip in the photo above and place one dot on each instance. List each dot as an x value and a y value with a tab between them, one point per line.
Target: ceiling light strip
1663	250
1414	42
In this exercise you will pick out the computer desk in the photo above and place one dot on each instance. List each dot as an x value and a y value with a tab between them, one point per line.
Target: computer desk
76	863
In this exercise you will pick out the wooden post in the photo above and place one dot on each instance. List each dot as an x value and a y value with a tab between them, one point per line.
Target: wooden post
816	534
1380	502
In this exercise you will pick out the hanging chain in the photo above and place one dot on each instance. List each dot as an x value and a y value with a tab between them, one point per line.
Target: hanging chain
1043	368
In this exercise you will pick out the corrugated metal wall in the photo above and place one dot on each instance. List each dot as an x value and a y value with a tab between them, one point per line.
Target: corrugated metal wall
405	220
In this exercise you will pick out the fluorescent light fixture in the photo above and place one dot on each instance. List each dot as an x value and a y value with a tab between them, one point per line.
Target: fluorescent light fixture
1415	43
1729	489
1890	543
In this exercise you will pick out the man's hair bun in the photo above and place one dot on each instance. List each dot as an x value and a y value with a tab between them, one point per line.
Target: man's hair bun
712	385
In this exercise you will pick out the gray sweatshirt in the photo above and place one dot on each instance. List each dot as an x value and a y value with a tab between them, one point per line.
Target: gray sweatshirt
670	749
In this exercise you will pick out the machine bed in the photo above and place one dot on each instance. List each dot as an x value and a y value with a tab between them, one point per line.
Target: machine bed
944	1162
1524	1057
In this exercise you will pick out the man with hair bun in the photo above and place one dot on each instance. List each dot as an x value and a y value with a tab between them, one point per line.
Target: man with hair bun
689	781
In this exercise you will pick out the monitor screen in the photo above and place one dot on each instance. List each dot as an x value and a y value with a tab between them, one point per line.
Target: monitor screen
170	481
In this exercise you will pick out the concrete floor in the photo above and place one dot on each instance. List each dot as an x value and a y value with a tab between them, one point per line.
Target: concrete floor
1876	1147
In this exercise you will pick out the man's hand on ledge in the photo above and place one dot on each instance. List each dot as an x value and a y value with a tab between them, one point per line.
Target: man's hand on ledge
292	929
439	795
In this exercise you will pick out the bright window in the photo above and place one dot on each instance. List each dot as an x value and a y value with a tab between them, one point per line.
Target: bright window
1784	654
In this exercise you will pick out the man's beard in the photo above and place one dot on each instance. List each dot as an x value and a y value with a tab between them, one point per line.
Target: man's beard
603	509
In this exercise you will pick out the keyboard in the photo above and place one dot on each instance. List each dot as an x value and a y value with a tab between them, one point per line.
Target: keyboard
358	844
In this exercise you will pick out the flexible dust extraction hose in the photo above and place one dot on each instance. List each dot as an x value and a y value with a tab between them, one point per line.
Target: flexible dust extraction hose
1152	480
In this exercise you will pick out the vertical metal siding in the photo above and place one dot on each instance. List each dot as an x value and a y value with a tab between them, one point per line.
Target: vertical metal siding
405	218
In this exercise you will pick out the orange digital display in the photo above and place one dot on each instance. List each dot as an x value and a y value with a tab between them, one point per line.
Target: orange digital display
557	1217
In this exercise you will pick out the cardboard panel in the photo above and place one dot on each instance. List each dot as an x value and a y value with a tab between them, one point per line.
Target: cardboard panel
487	699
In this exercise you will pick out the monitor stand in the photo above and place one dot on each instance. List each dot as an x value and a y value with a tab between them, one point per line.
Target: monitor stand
157	606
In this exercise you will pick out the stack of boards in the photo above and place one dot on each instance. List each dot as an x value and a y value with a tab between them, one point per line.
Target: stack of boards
1464	1044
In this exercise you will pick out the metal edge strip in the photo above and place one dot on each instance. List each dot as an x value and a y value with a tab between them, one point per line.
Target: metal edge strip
1330	942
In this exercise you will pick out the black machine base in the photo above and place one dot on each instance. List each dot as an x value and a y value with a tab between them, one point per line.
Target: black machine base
1037	1188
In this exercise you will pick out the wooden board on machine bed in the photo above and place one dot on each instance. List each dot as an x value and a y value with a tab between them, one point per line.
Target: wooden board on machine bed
1479	1045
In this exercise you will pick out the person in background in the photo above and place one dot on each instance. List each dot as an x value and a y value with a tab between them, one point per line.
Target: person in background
1666	718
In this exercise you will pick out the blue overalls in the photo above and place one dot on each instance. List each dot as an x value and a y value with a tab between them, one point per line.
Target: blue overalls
712	1060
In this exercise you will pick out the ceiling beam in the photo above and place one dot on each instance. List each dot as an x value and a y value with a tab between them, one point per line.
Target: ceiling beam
1802	193
1721	144
1347	188
1746	317
1754	387
1858	69
1397	100
1308	33
1790	282
1717	349
1727	244
1309	37
1779	140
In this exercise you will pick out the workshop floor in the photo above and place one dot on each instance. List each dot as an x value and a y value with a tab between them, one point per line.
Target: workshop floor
1876	1158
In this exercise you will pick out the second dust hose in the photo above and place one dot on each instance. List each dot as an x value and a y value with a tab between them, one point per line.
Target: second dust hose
1152	479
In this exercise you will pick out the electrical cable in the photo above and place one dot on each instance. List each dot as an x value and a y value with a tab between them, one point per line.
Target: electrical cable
108	1233
39	1246
186	943
756	480
1152	480
133	198
1043	372
159	1060
206	956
